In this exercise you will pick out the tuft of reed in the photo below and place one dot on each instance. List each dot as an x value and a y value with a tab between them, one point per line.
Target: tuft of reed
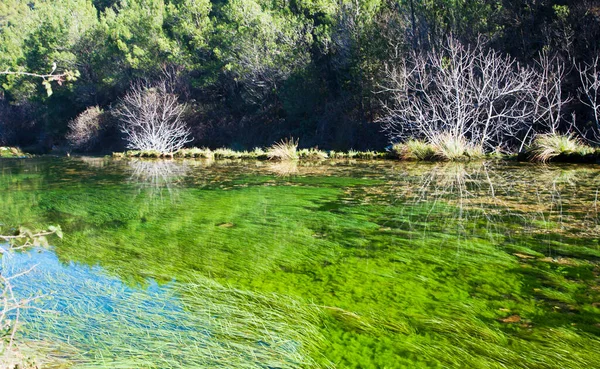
414	150
312	154
550	145
286	149
451	147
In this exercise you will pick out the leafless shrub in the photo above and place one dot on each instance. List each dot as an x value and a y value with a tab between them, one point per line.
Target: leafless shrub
589	91
84	130
462	91
151	119
548	96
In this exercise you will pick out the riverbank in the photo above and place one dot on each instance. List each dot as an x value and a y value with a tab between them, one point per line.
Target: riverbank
590	157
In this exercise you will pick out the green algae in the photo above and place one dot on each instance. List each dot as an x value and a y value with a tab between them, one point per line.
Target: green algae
412	265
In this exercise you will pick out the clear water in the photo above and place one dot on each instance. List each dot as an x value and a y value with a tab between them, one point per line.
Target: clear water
190	264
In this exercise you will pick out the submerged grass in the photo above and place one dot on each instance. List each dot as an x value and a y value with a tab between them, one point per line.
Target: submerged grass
415	265
193	323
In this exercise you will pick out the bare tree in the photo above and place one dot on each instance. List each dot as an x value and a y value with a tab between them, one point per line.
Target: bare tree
151	118
589	91
548	97
461	92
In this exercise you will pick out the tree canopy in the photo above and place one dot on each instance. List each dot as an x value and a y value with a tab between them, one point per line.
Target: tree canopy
255	71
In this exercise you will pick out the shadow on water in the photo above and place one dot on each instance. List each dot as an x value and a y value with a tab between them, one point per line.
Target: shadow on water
392	264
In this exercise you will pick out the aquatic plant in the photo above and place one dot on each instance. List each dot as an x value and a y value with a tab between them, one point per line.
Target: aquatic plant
194	322
11	352
474	264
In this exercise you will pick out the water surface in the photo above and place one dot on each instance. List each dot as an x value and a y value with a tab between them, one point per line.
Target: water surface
279	265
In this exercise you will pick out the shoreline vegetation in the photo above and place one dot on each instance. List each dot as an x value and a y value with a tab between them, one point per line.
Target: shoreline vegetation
546	148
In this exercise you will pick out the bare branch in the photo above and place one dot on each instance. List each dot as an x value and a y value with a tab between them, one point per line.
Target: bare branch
151	119
462	91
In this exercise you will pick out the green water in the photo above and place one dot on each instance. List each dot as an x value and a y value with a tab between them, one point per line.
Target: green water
347	264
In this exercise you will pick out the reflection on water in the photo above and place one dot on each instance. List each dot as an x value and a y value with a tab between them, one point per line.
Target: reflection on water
157	173
409	265
284	168
155	176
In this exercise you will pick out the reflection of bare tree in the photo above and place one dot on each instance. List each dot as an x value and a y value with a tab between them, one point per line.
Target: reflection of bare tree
157	175
284	168
485	194
94	162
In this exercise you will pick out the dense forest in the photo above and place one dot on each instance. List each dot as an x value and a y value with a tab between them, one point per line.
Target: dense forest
252	72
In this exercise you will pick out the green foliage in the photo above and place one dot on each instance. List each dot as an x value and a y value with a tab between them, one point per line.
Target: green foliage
11	152
258	70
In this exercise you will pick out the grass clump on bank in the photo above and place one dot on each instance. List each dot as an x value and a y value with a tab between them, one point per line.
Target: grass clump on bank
550	146
414	150
443	147
284	150
12	152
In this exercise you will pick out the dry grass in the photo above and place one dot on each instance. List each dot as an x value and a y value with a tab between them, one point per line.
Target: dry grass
286	149
548	146
451	147
414	150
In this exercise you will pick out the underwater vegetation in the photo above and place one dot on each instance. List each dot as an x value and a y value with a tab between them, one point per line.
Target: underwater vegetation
366	264
195	322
